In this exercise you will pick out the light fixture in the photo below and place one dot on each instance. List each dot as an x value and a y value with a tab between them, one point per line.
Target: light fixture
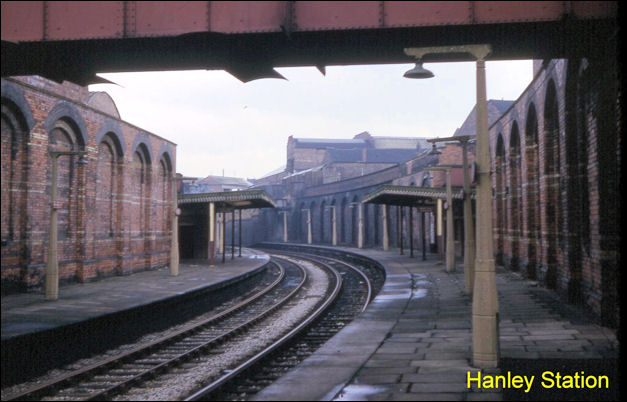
434	150
418	72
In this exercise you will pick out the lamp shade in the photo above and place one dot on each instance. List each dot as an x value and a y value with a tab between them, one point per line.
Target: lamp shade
418	72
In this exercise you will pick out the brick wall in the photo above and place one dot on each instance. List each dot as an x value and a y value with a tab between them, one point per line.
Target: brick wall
559	164
114	218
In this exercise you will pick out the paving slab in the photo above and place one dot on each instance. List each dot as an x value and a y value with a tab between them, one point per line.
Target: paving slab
421	348
28	313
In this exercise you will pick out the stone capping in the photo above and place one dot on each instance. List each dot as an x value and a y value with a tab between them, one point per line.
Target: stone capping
11	92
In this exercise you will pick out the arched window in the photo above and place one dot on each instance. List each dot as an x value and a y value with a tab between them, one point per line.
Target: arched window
515	195
532	190
500	196
64	136
164	193
108	176
14	157
140	179
552	204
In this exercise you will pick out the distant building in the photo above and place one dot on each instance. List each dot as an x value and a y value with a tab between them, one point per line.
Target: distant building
211	184
330	160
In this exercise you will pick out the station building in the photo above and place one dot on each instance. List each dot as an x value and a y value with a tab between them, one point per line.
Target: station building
113	204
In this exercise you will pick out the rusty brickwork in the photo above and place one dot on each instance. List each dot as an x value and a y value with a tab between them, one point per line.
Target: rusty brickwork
114	215
556	171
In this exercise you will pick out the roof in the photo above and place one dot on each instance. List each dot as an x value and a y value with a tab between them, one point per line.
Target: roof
389	155
275	171
496	108
372	155
410	195
224	180
244	199
501	105
329	143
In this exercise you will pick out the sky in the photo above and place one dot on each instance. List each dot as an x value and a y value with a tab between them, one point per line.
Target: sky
223	126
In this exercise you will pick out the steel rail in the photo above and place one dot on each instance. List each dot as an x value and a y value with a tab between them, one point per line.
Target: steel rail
354	268
183	356
50	386
212	387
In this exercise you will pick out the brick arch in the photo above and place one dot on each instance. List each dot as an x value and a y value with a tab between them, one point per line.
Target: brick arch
11	94
324	230
141	184
67	132
551	175
166	153
312	218
501	220
532	190
67	113
112	129
14	195
109	185
343	227
578	97
64	135
142	139
163	192
367	221
355	220
515	194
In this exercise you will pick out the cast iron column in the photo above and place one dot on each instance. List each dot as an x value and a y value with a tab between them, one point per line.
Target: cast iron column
485	325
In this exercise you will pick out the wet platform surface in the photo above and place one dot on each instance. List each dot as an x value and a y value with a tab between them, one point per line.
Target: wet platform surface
414	342
24	314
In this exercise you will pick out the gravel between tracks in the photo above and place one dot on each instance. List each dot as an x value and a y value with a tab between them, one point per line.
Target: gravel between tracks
184	381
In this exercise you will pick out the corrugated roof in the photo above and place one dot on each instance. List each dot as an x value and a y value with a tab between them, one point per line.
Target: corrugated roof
328	143
243	199
389	155
224	180
410	195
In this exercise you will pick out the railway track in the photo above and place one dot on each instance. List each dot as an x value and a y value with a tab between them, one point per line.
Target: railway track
328	292
352	299
113	375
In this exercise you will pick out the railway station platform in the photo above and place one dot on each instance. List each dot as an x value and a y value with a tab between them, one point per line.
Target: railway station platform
38	335
414	342
29	313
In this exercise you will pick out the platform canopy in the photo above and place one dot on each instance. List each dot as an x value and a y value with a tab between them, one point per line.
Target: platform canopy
410	195
230	200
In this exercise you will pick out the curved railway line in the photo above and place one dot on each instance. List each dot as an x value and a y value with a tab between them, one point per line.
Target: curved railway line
232	353
358	290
